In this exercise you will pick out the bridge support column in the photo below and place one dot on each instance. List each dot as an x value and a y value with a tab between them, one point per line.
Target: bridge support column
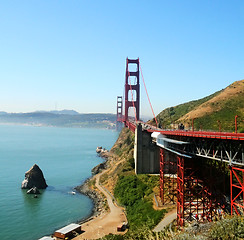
237	190
189	191
168	180
180	191
146	153
161	171
200	189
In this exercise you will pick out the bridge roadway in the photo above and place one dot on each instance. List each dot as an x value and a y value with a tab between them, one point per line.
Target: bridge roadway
221	146
186	133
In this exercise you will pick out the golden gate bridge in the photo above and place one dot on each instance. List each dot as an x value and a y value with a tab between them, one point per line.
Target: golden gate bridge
202	171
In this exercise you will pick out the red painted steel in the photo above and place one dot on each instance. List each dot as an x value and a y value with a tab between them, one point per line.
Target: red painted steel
119	108
180	191
196	134
130	125
129	87
237	190
168	180
201	134
161	175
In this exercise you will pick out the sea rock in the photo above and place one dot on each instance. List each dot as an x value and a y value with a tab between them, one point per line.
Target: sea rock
34	178
33	190
98	168
99	149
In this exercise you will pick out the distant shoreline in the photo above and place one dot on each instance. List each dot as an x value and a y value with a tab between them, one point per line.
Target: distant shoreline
55	126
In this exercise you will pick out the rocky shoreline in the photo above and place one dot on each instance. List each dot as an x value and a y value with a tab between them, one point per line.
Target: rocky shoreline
95	196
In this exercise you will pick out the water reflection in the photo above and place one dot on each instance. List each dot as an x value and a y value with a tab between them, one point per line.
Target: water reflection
30	201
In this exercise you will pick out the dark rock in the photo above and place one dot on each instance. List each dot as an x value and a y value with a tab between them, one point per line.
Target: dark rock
33	190
98	168
34	178
99	149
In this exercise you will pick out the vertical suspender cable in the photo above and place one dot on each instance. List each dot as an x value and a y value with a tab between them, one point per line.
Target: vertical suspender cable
147	94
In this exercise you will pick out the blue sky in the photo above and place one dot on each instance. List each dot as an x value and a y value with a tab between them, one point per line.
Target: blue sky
71	54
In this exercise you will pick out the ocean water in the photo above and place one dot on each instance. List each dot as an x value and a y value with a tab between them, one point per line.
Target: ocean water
66	157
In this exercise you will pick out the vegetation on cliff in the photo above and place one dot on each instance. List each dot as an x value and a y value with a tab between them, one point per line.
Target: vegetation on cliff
134	192
213	112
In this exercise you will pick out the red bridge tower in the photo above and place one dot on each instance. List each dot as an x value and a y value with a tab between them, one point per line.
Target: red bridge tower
129	87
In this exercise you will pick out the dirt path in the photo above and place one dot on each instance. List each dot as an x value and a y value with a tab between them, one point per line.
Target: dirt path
105	223
168	218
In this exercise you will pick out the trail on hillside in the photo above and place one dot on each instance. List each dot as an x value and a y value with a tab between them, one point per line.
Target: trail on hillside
107	222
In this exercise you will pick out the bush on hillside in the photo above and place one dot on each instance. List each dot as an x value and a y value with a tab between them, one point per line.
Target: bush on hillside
134	194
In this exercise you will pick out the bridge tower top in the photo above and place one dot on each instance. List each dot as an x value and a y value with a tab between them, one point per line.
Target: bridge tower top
129	87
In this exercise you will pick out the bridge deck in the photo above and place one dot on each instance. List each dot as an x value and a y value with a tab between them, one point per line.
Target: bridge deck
201	134
195	134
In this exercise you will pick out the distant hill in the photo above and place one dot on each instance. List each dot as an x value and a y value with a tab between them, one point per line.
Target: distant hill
209	113
3	113
68	112
65	118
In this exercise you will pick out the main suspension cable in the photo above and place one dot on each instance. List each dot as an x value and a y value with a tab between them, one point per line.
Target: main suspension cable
147	94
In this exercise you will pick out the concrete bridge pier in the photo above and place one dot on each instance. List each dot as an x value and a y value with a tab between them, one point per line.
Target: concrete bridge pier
146	153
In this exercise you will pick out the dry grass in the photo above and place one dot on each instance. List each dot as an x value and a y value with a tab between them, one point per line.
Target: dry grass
213	104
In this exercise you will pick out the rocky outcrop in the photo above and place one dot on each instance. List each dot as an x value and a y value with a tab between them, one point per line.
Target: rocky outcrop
100	150
34	178
98	168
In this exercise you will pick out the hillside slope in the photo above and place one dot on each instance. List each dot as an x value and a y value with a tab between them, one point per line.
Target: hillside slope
209	113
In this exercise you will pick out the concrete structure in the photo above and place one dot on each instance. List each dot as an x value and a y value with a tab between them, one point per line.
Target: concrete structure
146	153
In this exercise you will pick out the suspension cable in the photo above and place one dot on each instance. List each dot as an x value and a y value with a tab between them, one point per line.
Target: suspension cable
147	94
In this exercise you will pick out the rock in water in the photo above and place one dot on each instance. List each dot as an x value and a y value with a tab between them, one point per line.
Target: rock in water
34	178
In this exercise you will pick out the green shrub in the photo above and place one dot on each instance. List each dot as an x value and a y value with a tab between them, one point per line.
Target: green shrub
133	192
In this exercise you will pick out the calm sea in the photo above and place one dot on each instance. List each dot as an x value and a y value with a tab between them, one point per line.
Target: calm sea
66	157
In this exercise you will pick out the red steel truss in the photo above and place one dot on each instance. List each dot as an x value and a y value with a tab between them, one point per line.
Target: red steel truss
168	180
237	190
199	195
180	191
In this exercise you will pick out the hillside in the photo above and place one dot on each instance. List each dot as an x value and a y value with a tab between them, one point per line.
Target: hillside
209	113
